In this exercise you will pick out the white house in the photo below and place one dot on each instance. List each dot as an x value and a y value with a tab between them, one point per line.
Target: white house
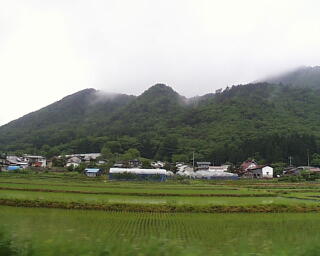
85	157
15	160
185	170
247	165
37	161
73	161
158	164
260	172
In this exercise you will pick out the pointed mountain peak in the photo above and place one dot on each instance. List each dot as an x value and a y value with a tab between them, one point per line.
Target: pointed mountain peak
160	90
82	93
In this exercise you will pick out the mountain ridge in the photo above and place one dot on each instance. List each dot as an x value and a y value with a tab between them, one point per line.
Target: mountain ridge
267	121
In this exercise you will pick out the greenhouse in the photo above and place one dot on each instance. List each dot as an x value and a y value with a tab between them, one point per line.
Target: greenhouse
216	175
209	175
137	174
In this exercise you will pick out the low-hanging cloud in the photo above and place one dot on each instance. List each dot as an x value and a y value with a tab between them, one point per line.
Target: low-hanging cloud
49	49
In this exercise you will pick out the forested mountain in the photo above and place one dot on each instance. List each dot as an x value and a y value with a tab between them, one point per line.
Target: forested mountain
267	121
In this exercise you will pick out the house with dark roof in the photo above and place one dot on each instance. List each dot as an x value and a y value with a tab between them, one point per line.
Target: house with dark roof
249	164
298	170
251	169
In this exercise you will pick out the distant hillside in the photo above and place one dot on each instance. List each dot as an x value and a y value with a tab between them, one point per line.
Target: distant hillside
269	122
60	122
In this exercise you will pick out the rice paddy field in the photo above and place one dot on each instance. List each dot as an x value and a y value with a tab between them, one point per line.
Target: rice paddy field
69	214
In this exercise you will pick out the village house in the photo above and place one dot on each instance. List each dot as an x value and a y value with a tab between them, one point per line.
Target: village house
2	164
73	161
16	161
87	157
119	165
35	161
260	172
298	170
76	159
249	164
100	162
134	163
251	169
158	164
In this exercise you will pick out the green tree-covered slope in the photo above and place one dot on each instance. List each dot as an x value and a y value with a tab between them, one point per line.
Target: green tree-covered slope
267	121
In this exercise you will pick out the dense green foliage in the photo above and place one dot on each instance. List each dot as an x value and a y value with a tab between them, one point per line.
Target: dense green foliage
269	122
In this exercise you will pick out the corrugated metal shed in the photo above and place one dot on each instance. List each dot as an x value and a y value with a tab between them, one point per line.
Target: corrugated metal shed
92	170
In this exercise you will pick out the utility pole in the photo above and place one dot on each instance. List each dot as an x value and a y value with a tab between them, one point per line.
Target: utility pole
3	157
193	160
308	157
290	160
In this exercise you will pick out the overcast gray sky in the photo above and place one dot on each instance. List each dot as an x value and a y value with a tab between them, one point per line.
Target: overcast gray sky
49	49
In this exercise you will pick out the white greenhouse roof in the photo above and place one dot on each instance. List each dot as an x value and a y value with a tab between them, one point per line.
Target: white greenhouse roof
137	171
200	174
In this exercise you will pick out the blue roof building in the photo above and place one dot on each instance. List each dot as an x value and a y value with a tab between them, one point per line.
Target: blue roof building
13	168
93	172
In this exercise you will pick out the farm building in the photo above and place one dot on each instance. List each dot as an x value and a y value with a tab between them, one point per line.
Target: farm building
300	169
260	172
93	172
137	174
13	168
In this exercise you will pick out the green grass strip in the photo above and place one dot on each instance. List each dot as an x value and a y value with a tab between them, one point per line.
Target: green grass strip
165	208
135	193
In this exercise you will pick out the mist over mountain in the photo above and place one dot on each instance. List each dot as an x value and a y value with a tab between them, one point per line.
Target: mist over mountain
302	76
268	121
